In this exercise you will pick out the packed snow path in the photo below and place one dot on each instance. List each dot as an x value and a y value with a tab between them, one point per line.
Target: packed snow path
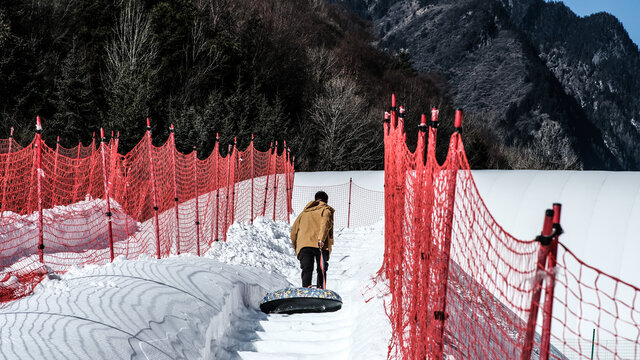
187	307
354	332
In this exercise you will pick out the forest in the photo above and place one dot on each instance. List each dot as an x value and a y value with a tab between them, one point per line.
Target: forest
303	71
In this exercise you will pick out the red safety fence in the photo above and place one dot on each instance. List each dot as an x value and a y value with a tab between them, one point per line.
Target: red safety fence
64	207
463	288
355	205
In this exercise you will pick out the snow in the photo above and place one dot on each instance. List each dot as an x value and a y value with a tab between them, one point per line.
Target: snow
599	209
203	307
207	307
599	212
373	180
82	224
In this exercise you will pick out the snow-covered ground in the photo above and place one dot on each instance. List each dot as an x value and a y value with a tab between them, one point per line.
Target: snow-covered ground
207	307
600	209
203	307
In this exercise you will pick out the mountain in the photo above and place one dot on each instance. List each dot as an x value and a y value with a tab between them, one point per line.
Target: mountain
227	67
532	72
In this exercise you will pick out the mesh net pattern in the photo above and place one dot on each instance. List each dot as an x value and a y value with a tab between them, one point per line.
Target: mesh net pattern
355	205
461	287
86	205
593	313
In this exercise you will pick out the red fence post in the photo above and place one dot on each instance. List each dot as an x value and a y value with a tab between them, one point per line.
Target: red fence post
289	186
389	209
537	288
293	177
153	187
266	186
417	240
74	187
252	176
547	315
107	198
430	164
275	180
349	209
172	136
226	212
114	161
420	152
39	176
235	179
216	150
91	164
55	174
195	176
441	307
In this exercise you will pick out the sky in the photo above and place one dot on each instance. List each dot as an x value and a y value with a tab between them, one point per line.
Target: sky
627	11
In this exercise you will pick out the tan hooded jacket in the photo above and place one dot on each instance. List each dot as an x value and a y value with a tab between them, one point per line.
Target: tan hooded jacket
313	224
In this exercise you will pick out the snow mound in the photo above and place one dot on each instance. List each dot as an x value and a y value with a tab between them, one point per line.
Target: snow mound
265	245
77	227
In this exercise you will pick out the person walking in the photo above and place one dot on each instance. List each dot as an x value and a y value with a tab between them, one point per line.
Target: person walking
312	231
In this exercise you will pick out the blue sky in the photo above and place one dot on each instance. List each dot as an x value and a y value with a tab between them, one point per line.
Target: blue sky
627	11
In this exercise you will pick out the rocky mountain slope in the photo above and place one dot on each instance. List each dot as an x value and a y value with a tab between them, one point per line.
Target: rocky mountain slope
534	73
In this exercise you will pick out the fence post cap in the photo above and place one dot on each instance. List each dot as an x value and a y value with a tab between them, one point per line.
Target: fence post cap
458	120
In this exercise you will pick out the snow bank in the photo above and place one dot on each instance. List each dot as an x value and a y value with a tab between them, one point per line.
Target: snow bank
265	244
179	307
76	227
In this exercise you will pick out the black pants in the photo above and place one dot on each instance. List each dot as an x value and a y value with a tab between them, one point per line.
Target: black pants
307	256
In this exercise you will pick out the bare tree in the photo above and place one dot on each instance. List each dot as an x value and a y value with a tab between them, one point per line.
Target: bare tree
324	64
131	68
201	59
550	149
346	137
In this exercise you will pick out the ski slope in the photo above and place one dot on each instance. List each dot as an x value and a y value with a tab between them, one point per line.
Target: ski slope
207	307
358	331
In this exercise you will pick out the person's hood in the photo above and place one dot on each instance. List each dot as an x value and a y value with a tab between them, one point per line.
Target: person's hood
317	205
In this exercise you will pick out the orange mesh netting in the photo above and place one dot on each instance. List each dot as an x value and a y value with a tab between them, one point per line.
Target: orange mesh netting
86	205
463	288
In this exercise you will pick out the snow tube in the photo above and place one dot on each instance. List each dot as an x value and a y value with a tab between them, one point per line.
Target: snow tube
300	300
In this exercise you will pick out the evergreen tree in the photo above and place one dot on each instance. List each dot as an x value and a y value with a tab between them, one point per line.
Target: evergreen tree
73	100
